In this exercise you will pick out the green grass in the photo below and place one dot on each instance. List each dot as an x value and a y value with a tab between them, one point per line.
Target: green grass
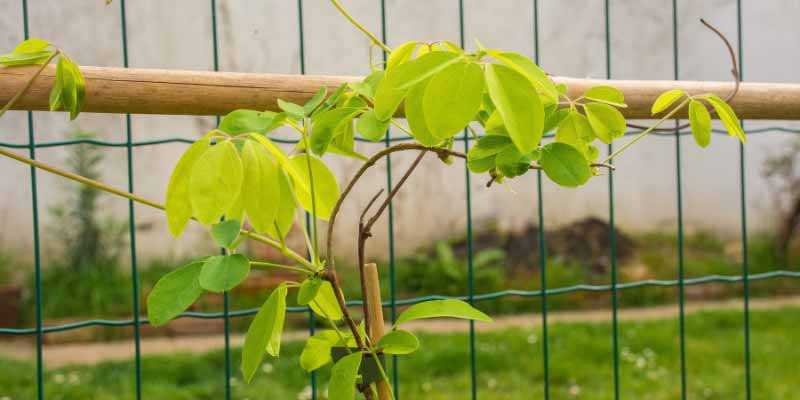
509	365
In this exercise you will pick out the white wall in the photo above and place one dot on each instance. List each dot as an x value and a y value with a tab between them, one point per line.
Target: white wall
262	36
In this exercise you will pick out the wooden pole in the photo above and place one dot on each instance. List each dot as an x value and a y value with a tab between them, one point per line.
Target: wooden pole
172	92
375	309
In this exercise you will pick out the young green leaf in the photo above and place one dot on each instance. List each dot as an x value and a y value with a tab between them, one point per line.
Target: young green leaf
398	342
666	99
575	131
700	121
174	293
226	232
178	206
511	163
518	104
342	385
261	191
32	45
370	127
326	189
325	304
315	100
410	73
73	86
555	118
452	99
606	121
488	146
606	94
325	126
481	165
727	116
308	290
215	182
400	54
223	273
265	332
530	70
442	308
37	57
236	212
293	111
565	165
247	121
283	160
415	115
331	101
286	208
317	351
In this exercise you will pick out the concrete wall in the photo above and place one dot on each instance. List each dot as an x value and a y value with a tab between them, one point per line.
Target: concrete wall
262	36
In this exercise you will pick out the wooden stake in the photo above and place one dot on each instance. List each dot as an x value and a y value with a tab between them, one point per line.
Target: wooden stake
376	327
173	92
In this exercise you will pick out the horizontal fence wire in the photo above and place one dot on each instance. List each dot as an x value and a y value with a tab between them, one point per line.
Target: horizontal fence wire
398	138
777	274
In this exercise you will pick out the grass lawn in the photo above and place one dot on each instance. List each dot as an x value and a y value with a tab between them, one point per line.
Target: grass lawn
510	365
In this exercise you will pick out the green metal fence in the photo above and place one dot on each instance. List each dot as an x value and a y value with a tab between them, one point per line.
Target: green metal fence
393	303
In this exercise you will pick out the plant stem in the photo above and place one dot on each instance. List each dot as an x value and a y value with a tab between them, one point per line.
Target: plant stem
360	27
27	86
118	192
304	134
645	132
280	266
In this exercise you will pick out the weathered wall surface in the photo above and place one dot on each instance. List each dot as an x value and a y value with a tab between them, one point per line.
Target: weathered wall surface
262	36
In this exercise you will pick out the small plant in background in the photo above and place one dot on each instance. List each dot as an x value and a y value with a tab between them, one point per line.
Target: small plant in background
783	171
236	171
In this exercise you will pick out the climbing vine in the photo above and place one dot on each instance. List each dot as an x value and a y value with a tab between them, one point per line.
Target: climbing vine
236	174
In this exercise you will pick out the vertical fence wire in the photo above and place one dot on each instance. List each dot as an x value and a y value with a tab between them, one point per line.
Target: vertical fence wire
37	262
611	233
743	196
542	246
302	59
679	194
225	295
390	211
131	218
473	367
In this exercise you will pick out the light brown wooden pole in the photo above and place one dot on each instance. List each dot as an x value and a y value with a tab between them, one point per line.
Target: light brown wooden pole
375	310
173	92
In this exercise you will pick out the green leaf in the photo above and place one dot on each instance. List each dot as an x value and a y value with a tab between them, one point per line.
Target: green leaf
215	182
226	232
488	146
325	304
315	100
606	94
325	126
481	165
261	191
666	99
317	351
174	293
442	308
518	104
73	86
415	115
342	385
331	101
565	165
530	70
370	127
55	95
246	121
236	211
400	54
511	163
700	121
308	290
25	58
178	205
387	99
286	208
728	117
326	189
32	45
223	273
410	73
265	332
606	121
575	131
452	99
398	342
554	119
293	111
